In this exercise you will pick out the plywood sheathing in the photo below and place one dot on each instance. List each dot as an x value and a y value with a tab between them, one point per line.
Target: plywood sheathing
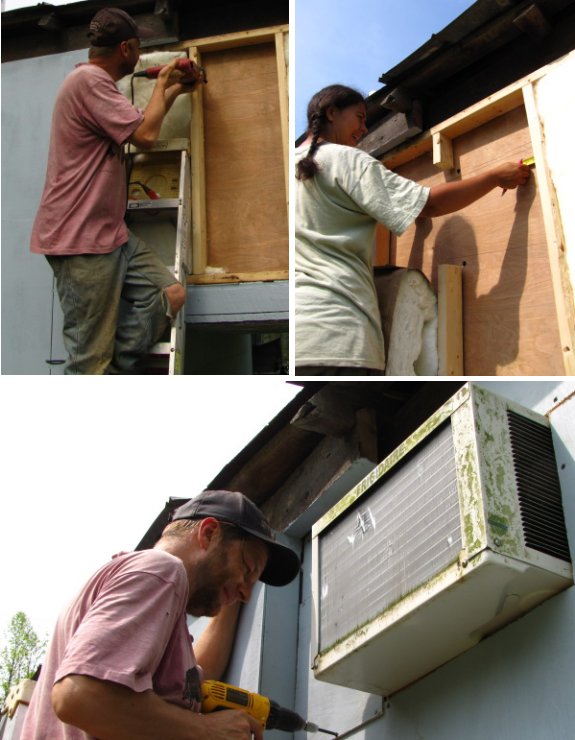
508	301
239	158
245	186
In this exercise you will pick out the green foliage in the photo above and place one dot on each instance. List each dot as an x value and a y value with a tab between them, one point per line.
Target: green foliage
21	654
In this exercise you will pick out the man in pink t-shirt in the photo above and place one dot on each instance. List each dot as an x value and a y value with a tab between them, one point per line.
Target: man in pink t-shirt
116	294
121	663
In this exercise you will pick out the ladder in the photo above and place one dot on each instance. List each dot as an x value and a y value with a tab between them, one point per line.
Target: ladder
14	710
159	212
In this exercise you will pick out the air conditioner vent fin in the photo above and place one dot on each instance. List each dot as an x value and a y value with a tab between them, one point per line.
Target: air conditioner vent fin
538	486
403	532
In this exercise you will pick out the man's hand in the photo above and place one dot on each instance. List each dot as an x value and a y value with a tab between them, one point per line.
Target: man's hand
111	711
167	72
232	724
181	72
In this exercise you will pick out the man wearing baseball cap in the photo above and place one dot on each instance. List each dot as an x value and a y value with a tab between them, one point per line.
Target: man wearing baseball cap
117	296
121	663
110	26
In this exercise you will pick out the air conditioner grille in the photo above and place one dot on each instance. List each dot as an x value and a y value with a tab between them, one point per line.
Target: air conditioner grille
401	534
538	487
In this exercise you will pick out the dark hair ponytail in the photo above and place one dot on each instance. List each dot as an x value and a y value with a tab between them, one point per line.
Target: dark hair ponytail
341	97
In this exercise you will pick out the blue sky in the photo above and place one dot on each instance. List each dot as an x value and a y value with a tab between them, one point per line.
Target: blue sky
354	43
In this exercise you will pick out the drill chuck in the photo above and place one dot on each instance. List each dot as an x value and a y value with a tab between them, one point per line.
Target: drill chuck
218	695
284	719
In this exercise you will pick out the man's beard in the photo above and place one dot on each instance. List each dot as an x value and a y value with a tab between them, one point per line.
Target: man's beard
206	599
127	68
205	604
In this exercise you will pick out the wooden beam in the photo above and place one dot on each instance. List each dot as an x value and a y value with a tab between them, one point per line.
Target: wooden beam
450	320
533	22
393	131
493	106
327	413
334	466
401	155
243	38
482	112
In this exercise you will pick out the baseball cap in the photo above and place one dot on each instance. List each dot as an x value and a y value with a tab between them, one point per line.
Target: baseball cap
233	507
111	25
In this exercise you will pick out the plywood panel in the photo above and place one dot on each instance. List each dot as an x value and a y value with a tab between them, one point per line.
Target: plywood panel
246	216
382	246
509	314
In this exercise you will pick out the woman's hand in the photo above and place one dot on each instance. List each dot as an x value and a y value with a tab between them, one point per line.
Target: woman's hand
509	175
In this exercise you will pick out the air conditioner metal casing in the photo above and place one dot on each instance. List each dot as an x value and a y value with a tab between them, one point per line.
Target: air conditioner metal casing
455	534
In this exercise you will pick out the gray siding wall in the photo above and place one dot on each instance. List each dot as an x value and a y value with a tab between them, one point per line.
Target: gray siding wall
29	88
515	685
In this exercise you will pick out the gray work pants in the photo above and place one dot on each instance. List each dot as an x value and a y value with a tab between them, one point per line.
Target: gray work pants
114	307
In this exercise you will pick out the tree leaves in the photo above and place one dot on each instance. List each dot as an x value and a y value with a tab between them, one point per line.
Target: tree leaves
21	654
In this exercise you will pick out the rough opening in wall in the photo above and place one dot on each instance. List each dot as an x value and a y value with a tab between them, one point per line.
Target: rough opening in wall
236	352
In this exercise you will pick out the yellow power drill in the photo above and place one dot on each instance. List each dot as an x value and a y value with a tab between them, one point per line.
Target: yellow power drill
218	695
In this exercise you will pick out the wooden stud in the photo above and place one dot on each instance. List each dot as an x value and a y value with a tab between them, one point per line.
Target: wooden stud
450	320
280	41
552	223
198	169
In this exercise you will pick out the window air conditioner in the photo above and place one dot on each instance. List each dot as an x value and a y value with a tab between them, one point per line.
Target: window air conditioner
454	535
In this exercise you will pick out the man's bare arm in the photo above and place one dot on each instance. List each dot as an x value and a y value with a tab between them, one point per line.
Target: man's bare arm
214	646
163	96
452	196
111	711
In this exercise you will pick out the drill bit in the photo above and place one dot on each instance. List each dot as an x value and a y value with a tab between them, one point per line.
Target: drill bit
312	727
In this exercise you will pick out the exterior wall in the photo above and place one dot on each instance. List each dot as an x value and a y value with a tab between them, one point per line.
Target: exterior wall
31	314
514	685
516	253
29	307
500	243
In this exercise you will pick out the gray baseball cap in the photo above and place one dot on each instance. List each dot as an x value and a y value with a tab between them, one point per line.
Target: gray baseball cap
110	26
234	508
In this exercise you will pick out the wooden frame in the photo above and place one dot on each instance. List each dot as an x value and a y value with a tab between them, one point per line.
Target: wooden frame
199	50
449	320
439	141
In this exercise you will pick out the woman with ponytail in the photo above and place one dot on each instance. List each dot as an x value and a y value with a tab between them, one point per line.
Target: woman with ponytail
341	194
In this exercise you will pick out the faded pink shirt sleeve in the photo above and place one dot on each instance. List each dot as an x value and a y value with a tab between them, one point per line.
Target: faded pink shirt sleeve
135	632
107	112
